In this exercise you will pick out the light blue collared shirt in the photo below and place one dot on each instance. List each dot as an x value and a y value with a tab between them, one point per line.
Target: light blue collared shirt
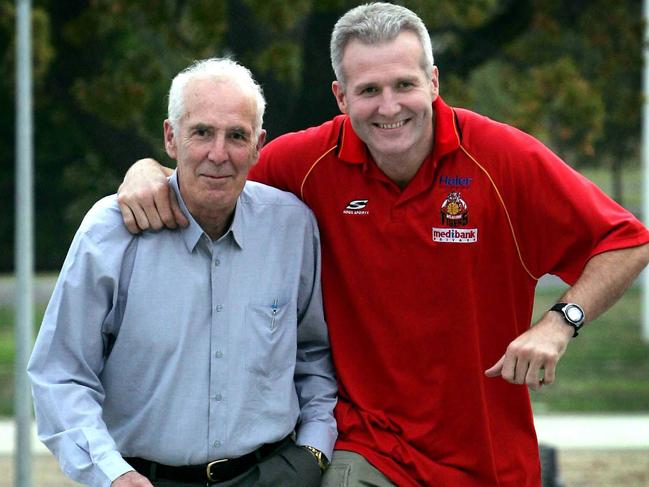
174	348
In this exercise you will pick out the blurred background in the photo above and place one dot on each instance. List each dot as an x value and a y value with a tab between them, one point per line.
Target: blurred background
567	72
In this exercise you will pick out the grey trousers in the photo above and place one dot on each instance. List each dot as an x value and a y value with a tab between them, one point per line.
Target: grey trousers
289	466
349	469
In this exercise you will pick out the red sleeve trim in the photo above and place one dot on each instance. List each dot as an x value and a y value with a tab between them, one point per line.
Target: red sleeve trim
504	207
308	173
500	198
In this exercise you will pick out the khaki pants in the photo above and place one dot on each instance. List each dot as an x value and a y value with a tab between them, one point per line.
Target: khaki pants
349	469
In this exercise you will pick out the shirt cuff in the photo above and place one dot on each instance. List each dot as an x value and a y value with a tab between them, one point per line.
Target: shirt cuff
113	466
318	435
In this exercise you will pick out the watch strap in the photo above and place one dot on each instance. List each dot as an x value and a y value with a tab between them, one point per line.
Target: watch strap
561	308
320	457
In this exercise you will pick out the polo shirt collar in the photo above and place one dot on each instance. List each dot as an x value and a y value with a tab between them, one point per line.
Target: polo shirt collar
354	151
447	139
193	232
352	148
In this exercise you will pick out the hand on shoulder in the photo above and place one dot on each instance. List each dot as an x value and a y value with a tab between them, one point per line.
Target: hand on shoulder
146	200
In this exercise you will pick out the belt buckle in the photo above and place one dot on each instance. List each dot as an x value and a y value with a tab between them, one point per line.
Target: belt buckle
209	469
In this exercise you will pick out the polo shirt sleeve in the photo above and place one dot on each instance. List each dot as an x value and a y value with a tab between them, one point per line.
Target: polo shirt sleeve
561	219
287	160
278	164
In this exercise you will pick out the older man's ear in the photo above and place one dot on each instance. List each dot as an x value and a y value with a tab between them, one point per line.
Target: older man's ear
170	140
261	140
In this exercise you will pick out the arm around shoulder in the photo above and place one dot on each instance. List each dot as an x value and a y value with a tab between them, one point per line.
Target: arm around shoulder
146	200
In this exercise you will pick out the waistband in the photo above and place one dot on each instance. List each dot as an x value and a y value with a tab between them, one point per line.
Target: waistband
218	470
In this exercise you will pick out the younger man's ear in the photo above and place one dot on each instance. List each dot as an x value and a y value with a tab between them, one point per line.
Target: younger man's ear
339	94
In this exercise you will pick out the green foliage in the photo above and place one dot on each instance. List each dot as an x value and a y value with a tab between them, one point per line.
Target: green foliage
462	15
43	51
556	80
280	15
569	73
284	59
86	178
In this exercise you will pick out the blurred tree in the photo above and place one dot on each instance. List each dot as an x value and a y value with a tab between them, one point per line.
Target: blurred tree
571	77
568	73
612	61
43	58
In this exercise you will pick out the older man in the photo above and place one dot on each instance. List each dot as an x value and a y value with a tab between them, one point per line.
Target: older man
190	357
437	223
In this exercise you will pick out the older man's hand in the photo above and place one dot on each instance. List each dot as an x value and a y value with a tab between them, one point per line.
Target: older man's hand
131	479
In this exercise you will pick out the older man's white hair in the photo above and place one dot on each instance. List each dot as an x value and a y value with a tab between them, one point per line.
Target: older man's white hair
220	69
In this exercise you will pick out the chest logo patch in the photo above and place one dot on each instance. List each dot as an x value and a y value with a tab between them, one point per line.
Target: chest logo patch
454	213
454	210
356	207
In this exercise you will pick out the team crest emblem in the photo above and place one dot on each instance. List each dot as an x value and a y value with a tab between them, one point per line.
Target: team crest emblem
454	211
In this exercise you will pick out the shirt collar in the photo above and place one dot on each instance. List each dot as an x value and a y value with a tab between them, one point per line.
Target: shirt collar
193	232
354	151
447	138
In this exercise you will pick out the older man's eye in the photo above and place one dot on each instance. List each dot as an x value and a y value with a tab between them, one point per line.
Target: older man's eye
199	133
239	136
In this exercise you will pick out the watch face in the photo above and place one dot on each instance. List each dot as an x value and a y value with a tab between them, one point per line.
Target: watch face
574	314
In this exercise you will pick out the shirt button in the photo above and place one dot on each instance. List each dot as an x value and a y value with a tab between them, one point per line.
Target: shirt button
219	308
218	354
217	262
218	397
217	443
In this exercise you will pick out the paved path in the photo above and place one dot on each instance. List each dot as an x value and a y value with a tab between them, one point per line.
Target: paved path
43	286
628	431
592	451
606	432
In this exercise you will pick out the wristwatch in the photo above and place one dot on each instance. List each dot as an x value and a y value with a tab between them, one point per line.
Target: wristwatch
320	457
572	314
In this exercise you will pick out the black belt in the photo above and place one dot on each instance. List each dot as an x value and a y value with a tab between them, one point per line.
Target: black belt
216	471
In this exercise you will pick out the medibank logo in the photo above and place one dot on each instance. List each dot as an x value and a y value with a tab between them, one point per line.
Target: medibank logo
455	235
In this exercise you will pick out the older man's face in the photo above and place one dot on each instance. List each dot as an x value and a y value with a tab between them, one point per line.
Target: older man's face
214	146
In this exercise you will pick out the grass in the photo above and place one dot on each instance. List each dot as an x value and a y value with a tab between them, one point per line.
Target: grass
631	183
606	369
7	350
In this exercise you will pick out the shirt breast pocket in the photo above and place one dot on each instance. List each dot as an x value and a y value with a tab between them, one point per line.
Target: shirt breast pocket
271	330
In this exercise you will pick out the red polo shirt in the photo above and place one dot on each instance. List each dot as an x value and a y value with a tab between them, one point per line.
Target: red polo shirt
425	287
